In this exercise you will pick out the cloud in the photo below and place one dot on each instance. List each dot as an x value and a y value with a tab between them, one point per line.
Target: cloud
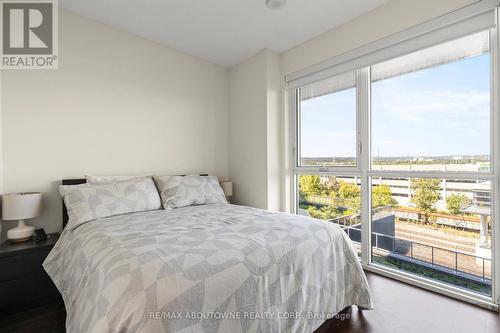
420	105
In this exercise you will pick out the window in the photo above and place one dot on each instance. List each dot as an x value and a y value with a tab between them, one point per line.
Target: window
430	112
327	141
399	152
327	122
431	108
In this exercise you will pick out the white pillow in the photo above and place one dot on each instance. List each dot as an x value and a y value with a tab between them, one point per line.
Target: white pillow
111	179
182	191
87	202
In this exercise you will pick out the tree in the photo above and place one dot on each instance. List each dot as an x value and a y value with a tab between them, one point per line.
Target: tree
332	186
310	185
349	190
323	213
382	196
351	193
353	205
425	195
456	203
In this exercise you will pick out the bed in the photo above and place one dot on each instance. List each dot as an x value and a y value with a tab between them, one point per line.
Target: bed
206	268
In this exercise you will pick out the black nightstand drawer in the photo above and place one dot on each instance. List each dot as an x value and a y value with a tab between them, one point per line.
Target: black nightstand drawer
22	265
26	292
23	281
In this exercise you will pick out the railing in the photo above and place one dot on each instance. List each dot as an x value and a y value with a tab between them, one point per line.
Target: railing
460	264
407	213
348	220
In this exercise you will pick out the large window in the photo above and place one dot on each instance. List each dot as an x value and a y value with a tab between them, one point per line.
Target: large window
400	154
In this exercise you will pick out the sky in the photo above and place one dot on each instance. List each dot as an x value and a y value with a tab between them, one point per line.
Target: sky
443	110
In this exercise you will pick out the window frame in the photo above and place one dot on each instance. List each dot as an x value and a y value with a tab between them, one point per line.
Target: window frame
363	168
297	142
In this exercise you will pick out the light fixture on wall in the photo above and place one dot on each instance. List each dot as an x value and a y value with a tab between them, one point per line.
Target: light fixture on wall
275	4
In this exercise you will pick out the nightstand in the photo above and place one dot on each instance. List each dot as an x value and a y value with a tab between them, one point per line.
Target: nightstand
24	284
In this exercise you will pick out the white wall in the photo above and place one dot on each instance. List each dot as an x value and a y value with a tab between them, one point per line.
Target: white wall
255	131
118	104
247	131
275	128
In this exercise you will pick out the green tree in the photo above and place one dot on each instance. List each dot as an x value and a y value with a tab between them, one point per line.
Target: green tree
351	193
310	185
382	196
456	203
349	190
353	205
425	195
323	213
332	186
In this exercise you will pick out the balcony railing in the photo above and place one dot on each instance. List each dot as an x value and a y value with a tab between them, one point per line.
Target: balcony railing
463	265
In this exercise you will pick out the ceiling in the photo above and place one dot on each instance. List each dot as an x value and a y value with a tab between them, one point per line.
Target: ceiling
224	32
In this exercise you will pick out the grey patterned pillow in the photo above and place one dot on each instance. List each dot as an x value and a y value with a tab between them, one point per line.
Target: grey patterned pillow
87	202
182	191
111	179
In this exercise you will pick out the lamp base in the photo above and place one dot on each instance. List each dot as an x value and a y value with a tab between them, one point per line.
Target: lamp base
20	233
19	240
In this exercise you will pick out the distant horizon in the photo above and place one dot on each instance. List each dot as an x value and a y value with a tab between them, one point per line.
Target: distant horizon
403	156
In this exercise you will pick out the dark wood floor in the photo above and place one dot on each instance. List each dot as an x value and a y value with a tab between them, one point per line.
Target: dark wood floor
398	308
46	319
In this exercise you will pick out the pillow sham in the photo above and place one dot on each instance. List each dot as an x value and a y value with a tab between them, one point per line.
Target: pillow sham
182	191
87	202
111	179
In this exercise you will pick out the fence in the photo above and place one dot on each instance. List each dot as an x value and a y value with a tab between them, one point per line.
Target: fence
326	201
471	223
352	219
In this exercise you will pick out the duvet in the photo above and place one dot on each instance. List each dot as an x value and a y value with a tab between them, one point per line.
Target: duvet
210	268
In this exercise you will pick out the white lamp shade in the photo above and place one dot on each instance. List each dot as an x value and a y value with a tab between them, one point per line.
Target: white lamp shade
20	206
227	187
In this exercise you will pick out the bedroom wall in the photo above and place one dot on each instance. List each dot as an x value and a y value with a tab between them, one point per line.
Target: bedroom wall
255	131
247	131
275	128
118	104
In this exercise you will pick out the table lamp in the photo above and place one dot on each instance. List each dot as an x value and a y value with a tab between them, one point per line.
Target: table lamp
227	187
21	206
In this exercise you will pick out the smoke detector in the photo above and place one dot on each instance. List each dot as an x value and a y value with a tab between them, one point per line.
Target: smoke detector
275	4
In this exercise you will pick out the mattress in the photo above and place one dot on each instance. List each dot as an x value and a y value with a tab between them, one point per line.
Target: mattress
208	268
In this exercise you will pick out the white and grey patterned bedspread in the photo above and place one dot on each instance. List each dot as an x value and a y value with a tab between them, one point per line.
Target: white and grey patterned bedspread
210	268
